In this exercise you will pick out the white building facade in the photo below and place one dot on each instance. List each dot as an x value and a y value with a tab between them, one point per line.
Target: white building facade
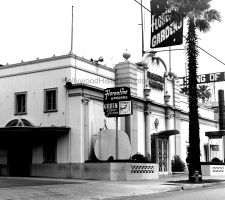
52	110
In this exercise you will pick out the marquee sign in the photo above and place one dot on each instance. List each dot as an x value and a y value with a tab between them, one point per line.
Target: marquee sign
164	31
117	102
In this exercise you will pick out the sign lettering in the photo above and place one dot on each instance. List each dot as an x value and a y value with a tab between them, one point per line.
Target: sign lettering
164	31
214	147
117	102
207	78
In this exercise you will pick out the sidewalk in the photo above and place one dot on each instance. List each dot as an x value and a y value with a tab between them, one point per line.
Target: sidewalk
45	188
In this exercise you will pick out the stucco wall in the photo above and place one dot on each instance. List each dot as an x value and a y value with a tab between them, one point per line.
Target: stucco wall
140	83
82	109
204	127
34	84
97	121
34	78
75	121
88	78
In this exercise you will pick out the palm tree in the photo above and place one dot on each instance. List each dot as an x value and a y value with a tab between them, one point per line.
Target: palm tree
204	93
184	90
199	16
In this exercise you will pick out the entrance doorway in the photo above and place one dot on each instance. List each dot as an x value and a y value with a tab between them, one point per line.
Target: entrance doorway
19	158
160	154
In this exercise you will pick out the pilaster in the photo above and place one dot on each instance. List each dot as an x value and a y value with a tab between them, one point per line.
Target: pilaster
148	130
126	76
168	120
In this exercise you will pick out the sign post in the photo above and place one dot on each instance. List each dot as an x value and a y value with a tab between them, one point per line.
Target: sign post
117	103
117	140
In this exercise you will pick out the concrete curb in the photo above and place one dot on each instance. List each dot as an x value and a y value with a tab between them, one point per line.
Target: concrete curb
195	186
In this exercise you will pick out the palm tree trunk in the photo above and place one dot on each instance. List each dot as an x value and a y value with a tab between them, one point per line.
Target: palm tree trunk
194	141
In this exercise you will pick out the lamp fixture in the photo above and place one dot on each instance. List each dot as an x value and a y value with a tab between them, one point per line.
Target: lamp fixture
147	92
100	59
167	97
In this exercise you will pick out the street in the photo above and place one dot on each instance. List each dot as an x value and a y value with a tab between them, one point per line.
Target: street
217	192
174	187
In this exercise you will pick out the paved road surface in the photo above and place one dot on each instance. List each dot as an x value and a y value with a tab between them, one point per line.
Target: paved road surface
73	189
217	193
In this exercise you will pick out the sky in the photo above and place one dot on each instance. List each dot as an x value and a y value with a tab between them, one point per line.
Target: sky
107	28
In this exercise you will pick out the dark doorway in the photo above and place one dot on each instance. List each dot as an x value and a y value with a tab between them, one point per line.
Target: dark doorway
19	157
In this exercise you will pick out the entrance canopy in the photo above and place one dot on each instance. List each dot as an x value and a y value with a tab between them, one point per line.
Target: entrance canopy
30	135
166	133
34	130
215	134
18	129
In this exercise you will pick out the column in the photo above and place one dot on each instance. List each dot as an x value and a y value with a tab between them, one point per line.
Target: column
168	119
223	146
148	130
86	147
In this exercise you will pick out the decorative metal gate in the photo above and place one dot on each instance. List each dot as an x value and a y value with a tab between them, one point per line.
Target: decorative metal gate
160	153
163	156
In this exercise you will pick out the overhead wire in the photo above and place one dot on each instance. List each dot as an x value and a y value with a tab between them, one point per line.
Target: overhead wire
4	100
183	35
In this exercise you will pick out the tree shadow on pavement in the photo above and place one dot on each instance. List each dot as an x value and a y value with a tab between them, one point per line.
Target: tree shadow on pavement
20	182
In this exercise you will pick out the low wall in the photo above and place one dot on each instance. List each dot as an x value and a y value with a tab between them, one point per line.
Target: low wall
120	171
97	171
57	170
213	170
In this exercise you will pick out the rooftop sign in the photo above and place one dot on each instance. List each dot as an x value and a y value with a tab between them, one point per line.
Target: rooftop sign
164	31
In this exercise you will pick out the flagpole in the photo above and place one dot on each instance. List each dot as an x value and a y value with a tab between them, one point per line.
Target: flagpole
170	59
71	50
142	29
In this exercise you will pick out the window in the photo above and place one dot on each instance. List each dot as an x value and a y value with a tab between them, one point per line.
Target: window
50	151
21	103
51	100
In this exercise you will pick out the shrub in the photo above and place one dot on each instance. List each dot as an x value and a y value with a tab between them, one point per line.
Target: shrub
139	157
177	164
217	160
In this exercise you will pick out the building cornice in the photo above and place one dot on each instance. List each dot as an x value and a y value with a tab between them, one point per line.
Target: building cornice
55	68
35	71
93	63
53	58
22	63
